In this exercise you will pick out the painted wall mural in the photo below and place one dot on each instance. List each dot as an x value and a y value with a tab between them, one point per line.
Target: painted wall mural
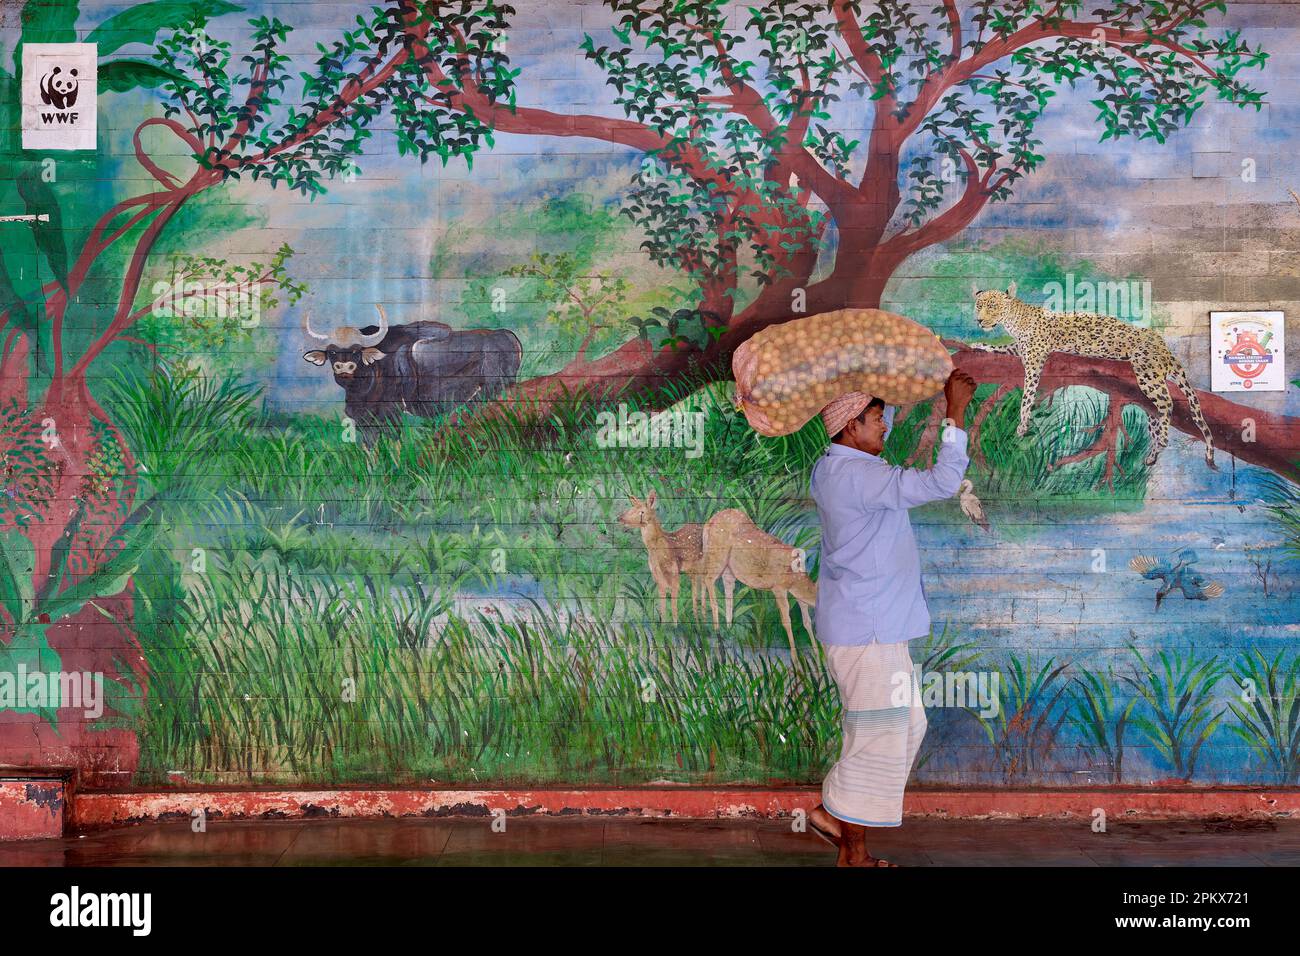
366	401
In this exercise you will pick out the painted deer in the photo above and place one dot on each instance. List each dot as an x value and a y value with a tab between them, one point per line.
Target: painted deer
736	549
671	554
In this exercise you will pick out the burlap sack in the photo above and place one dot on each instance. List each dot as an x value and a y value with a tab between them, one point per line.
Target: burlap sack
788	373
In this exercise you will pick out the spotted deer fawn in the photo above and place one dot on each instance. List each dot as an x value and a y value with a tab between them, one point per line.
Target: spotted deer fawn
671	553
736	549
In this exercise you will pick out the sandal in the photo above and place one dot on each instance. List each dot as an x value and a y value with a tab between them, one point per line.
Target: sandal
824	834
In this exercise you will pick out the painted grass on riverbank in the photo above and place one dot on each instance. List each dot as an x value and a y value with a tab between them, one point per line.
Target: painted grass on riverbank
296	617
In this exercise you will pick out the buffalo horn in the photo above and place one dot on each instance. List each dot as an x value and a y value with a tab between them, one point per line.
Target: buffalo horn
370	341
306	324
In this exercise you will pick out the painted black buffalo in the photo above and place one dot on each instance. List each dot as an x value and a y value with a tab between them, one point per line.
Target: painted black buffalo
424	368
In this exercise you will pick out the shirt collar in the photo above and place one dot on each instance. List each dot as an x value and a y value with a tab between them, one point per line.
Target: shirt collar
846	451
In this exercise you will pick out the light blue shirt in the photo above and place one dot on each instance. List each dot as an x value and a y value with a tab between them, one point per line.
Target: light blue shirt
869	588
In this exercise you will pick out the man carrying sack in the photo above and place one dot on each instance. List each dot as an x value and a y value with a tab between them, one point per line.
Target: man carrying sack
870	603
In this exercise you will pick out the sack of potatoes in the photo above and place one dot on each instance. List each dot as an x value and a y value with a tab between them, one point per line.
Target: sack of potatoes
788	373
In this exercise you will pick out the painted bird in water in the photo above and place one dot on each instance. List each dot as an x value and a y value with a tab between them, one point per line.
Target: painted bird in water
1179	575
971	506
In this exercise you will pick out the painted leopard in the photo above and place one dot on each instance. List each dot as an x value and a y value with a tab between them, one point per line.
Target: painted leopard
1038	333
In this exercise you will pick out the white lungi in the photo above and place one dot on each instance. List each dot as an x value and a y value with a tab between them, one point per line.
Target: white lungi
881	739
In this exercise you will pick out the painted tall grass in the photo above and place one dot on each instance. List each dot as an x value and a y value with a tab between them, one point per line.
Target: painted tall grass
1025	731
1101	717
271	676
1179	715
943	651
1268	711
467	608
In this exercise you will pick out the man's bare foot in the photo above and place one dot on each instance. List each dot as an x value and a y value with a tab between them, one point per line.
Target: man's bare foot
848	858
853	848
824	822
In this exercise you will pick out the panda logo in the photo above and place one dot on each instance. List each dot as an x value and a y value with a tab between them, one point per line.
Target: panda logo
60	91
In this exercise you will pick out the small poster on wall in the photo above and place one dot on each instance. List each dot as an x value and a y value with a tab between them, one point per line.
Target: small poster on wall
59	95
1247	351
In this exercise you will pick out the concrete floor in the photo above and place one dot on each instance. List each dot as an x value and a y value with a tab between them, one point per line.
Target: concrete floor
642	842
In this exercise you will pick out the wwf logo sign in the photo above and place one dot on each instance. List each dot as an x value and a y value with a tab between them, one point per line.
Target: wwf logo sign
59	89
59	95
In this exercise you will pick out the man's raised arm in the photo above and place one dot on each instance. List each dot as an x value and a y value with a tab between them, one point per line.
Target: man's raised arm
892	486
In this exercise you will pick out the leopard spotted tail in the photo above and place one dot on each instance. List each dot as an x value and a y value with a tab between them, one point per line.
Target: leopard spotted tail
1179	375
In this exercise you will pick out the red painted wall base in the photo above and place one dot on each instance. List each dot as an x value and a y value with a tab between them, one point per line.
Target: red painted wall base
30	808
102	809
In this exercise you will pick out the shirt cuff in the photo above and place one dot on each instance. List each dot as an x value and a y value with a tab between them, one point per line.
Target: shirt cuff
953	437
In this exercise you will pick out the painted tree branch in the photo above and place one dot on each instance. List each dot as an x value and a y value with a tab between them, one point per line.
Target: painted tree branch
1276	444
637	370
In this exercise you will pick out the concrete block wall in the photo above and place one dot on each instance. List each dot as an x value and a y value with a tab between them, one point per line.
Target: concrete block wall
269	595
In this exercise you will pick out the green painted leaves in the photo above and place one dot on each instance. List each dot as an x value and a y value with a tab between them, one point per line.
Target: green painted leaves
119	76
39	199
30	611
27	605
142	22
680	328
47	21
17	562
28	653
26	647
